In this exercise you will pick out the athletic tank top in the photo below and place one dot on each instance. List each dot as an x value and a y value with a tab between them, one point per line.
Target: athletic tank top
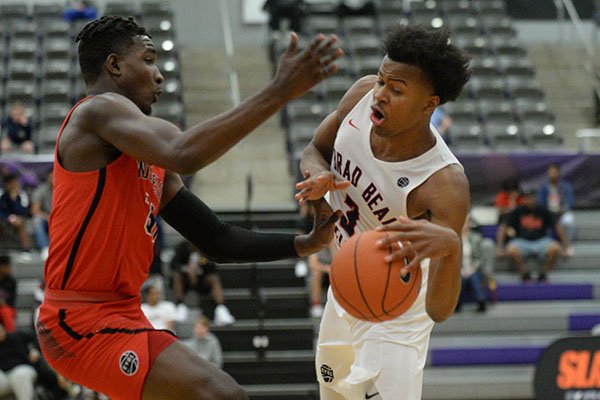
103	225
377	196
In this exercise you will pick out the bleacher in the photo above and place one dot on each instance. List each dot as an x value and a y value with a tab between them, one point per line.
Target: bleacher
38	62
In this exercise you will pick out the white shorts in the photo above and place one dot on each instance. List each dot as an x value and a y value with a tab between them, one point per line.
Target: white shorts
353	355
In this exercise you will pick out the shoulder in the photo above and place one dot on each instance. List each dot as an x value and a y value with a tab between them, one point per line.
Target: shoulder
356	92
103	106
446	195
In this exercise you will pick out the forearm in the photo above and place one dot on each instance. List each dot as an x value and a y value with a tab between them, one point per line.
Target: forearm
444	286
221	241
313	161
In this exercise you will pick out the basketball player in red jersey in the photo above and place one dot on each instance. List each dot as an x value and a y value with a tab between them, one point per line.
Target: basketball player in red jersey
116	168
387	168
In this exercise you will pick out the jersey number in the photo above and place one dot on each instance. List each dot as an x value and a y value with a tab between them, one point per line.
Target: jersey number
350	219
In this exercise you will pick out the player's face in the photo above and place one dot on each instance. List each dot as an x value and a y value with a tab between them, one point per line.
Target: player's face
141	78
402	99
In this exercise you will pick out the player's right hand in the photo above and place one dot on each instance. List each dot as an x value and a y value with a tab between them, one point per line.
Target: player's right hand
315	188
299	71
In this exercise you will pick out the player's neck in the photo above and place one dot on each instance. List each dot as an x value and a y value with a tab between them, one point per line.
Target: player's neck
102	86
402	146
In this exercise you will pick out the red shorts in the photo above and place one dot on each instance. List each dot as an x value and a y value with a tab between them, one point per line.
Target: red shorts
108	347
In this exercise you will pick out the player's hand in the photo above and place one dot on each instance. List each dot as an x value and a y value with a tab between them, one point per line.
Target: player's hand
322	232
298	71
315	188
419	239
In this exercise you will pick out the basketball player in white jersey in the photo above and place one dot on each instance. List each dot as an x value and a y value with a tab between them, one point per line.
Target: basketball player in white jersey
387	168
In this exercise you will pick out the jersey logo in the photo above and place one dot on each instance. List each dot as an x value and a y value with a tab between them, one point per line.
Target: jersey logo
352	124
326	373
370	396
129	363
403	181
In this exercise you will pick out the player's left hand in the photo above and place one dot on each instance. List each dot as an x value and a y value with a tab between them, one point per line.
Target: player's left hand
314	188
420	239
321	234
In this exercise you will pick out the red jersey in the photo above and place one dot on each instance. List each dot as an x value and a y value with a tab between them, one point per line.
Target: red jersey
103	225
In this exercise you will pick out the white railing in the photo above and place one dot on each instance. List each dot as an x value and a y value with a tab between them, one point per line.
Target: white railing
234	85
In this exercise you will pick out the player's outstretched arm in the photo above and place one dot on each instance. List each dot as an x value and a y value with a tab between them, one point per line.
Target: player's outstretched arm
223	242
120	122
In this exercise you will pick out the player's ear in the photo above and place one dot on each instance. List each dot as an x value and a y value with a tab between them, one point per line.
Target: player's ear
431	103
113	64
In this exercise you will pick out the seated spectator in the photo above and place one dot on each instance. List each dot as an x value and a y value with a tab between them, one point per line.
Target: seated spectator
532	225
17	374
14	211
8	294
17	131
41	204
290	10
80	10
508	198
557	196
204	343
477	258
161	314
192	271
442	122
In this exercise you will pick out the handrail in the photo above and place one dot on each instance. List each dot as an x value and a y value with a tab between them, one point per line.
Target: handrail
589	47
234	86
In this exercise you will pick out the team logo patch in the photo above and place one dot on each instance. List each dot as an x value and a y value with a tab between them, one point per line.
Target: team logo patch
402	181
129	363
326	373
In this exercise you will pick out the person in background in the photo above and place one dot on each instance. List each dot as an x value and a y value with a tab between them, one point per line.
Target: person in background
532	225
477	256
192	271
204	343
278	10
14	212
17	374
80	10
41	204
8	295
508	198
162	314
442	122
17	131
556	195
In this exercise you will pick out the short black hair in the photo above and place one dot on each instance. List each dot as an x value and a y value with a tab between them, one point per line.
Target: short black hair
102	37
9	178
446	66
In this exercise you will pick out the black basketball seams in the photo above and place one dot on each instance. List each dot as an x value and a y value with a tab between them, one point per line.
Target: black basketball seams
340	294
360	290
387	280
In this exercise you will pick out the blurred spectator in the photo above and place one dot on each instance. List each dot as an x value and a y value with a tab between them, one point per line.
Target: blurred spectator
204	343
441	121
41	204
192	271
508	198
14	211
532	224
477	257
17	131
557	196
291	10
17	375
8	294
161	314
80	10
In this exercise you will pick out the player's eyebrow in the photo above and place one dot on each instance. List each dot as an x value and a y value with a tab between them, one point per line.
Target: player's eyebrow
393	78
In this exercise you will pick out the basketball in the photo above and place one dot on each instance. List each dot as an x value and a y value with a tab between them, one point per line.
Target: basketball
367	286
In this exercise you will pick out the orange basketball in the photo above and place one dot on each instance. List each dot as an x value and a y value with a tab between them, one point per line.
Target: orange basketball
366	285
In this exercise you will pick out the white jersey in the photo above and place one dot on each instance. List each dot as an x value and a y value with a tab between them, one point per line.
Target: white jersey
378	195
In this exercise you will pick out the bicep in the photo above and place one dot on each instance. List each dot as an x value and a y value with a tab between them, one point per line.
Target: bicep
121	123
